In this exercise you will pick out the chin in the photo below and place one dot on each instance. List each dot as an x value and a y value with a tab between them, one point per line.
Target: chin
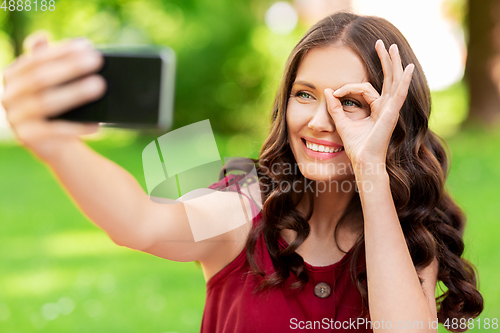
327	172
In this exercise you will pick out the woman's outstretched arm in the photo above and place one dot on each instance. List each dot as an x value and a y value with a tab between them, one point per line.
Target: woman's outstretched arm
112	198
106	193
52	79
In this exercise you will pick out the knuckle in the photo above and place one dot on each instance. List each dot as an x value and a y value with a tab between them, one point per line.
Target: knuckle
32	61
9	73
35	61
10	69
6	74
9	116
24	134
5	100
43	102
38	79
13	118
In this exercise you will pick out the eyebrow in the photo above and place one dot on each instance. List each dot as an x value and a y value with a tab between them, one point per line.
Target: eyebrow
304	83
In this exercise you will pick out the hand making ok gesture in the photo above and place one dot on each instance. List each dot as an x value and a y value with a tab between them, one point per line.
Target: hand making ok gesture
367	140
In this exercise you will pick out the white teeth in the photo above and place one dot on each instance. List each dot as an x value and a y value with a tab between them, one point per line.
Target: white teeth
322	148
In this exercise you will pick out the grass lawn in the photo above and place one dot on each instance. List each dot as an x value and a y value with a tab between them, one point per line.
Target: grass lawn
59	273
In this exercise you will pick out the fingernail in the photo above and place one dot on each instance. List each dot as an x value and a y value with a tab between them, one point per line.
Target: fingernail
94	85
396	47
91	60
80	43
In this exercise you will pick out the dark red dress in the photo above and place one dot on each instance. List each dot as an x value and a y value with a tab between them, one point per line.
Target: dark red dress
232	307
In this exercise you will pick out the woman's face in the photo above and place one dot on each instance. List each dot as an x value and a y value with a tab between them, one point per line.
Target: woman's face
312	136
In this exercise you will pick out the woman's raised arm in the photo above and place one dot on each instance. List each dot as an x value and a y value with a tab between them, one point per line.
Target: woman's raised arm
395	294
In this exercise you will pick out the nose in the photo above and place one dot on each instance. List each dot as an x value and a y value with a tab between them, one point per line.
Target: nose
321	121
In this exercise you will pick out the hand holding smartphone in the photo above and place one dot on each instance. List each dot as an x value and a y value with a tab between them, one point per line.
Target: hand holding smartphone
140	90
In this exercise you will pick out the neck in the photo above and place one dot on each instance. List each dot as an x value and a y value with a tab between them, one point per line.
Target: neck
329	206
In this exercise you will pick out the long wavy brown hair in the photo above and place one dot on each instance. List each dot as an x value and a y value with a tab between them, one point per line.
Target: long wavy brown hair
417	165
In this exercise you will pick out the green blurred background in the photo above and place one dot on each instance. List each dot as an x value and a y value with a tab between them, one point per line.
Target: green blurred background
59	273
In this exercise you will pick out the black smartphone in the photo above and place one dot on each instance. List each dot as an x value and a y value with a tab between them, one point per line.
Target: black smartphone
140	90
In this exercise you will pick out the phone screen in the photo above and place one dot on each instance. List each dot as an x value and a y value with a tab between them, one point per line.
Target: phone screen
133	92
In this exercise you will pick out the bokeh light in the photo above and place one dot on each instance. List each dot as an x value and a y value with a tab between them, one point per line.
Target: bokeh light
437	41
281	18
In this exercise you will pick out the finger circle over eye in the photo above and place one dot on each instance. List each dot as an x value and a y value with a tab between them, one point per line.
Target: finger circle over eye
330	96
365	89
332	102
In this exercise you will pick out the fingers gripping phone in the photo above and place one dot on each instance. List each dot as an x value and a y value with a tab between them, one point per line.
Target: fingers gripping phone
140	90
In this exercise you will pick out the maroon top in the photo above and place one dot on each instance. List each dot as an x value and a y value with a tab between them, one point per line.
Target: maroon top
232	307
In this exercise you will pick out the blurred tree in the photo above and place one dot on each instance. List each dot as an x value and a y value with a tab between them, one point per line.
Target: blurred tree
311	11
483	62
14	24
220	70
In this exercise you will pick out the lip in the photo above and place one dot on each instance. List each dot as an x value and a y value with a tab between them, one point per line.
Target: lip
320	155
322	142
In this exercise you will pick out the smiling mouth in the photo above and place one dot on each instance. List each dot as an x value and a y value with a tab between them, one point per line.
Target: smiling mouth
321	148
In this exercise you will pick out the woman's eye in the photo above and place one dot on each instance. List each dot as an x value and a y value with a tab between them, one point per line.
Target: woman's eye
302	94
350	103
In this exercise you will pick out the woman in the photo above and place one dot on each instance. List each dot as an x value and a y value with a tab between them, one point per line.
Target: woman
348	112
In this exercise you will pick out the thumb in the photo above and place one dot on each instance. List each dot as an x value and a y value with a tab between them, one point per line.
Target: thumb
334	107
36	41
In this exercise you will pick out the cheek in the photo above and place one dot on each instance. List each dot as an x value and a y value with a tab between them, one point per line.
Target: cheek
296	117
